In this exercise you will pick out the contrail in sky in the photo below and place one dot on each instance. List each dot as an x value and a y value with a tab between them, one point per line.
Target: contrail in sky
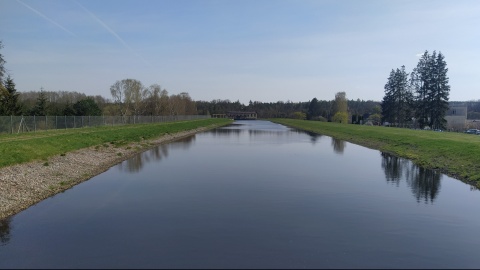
112	32
46	18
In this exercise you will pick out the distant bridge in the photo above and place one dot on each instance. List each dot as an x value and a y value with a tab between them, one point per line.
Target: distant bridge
237	115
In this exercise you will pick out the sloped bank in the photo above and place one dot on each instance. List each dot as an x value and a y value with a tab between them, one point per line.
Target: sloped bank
454	154
23	185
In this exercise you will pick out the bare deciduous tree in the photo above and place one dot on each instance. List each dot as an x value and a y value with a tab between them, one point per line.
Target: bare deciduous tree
132	98
117	91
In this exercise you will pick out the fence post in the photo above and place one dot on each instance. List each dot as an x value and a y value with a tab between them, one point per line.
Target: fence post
11	123
74	121
34	124
56	121
46	123
65	121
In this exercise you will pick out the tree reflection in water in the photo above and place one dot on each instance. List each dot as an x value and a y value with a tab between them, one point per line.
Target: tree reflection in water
314	137
4	231
424	183
136	163
393	168
338	145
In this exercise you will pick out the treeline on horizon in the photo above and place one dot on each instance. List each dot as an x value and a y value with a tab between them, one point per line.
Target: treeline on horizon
156	101
67	103
321	110
77	103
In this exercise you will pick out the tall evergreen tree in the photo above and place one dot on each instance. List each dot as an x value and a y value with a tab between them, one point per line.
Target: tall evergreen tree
422	86
404	97
430	83
388	102
68	109
9	99
313	109
397	102
2	70
87	106
2	62
440	93
40	108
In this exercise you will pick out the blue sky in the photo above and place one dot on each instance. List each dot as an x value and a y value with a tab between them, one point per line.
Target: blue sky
258	50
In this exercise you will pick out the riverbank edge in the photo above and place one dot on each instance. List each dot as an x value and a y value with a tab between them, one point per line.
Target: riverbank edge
24	185
380	147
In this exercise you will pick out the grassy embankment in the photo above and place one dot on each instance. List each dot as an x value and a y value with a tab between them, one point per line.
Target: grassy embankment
25	147
455	154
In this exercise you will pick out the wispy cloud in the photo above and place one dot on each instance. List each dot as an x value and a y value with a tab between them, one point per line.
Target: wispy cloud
110	30
46	18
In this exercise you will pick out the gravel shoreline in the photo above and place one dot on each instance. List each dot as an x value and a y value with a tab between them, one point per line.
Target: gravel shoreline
24	185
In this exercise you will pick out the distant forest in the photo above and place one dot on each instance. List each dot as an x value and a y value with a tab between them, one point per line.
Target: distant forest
323	109
287	109
76	103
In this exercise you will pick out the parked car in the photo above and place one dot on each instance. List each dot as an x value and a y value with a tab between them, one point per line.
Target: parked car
473	131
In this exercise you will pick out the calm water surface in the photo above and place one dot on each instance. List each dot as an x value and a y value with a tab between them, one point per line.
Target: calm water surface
252	195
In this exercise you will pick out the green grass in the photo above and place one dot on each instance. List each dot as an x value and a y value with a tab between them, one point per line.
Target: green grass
25	147
456	154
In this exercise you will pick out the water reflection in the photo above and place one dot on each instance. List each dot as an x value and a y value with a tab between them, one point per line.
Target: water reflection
313	136
338	145
225	131
4	231
253	130
271	201
424	183
136	163
393	168
238	130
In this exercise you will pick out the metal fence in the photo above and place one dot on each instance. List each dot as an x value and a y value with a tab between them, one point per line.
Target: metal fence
18	124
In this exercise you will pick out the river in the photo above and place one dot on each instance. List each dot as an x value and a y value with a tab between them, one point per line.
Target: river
253	194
